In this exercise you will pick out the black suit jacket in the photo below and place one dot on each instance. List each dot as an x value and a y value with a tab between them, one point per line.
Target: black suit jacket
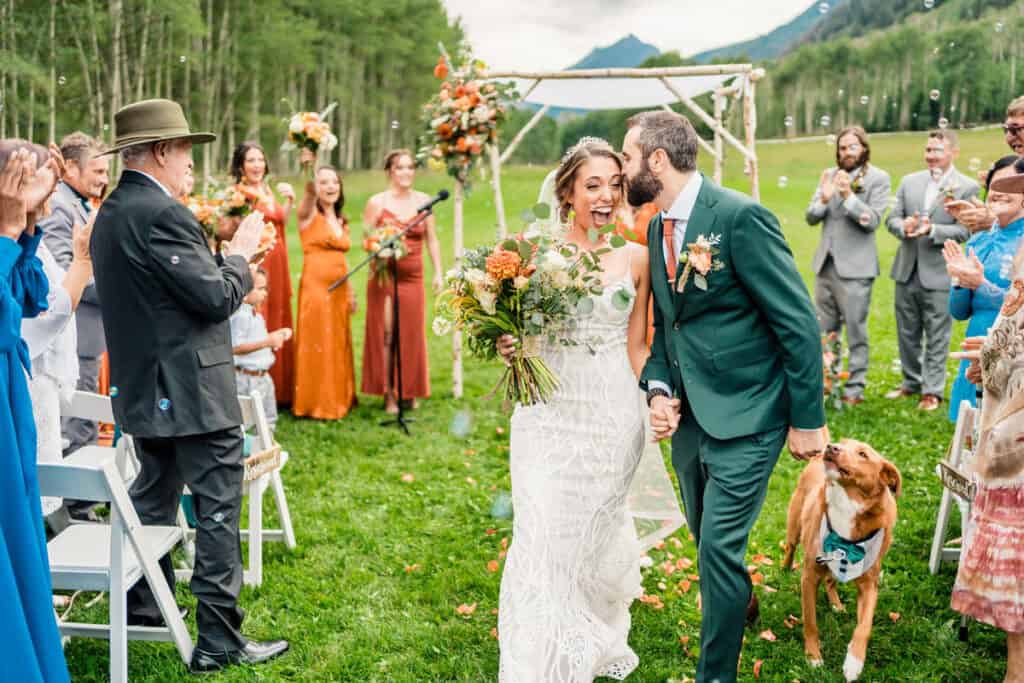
165	301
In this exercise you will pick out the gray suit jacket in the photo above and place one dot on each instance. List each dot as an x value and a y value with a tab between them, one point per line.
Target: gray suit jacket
66	210
925	253
851	244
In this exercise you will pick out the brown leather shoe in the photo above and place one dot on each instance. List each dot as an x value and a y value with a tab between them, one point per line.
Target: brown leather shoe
899	393
753	610
929	402
852	400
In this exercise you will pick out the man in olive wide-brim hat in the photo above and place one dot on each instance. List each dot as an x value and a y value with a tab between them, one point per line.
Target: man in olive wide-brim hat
166	301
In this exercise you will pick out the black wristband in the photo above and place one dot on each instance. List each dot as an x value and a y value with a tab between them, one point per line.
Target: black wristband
656	391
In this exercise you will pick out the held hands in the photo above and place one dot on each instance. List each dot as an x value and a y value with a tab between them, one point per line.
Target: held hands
665	415
246	240
804	445
506	346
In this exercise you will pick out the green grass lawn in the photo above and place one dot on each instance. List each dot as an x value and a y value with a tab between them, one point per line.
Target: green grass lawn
371	591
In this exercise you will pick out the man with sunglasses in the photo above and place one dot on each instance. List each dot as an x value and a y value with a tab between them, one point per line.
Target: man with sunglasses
973	213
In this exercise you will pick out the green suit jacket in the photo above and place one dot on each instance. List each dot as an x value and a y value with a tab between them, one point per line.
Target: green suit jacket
746	353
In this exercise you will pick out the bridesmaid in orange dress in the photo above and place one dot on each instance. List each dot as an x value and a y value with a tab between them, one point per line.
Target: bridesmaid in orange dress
398	204
635	230
325	379
249	168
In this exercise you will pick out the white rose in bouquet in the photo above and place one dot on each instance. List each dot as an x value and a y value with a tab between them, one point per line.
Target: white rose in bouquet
553	262
330	141
295	125
488	300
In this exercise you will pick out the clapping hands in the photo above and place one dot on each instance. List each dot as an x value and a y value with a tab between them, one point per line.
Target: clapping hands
826	188
966	270
246	240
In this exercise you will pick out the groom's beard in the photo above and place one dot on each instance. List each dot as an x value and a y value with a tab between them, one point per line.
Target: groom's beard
643	188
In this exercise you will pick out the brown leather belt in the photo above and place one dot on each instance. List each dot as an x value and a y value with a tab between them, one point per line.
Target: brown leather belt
252	373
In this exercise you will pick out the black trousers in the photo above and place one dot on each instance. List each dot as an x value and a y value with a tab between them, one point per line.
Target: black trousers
212	467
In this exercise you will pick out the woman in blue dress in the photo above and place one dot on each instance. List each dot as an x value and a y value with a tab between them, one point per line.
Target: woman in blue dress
981	281
30	648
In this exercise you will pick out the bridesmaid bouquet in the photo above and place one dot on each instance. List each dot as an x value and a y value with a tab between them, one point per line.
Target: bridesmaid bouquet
206	212
462	118
383	243
533	287
232	202
310	129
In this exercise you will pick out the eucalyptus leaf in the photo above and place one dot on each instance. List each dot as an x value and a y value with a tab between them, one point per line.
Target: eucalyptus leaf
510	245
592	235
585	306
542	211
537	319
525	250
621	299
618	241
527	216
607	229
700	282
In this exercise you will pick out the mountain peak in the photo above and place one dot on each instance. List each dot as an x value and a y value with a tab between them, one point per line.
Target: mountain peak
628	51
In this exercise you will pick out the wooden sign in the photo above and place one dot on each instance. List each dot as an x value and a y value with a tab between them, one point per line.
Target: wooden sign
954	480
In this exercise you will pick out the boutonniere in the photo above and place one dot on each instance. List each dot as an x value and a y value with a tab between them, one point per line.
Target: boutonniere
699	259
857	183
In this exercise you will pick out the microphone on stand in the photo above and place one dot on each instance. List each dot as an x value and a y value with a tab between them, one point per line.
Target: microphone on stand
441	196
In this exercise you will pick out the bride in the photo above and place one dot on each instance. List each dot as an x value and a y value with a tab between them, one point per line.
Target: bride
573	568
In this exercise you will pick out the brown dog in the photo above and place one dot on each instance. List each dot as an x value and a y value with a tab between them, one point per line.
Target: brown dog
857	488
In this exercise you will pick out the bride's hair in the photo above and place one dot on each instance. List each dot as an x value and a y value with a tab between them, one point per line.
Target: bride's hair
577	155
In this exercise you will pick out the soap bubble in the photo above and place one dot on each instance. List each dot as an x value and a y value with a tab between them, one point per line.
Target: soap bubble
864	99
61	80
840	92
830	140
943	122
165	404
934	95
394	124
788	122
113	392
854	148
183	59
974	164
865	219
826	121
175	260
999	27
783	181
461	424
823	7
106	127
928	4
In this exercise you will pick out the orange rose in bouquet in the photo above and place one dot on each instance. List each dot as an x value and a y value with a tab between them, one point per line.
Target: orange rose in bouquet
310	130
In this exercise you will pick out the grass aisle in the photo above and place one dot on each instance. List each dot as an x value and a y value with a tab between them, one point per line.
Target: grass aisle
384	558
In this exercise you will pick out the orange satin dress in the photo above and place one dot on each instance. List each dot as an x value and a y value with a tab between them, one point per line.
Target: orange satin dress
277	309
412	322
325	379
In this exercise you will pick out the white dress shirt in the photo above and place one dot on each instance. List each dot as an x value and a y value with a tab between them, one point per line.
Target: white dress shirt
931	192
680	212
249	327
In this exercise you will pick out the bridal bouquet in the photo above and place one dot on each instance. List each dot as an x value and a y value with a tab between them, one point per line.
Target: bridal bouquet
310	129
232	202
383	243
533	287
462	118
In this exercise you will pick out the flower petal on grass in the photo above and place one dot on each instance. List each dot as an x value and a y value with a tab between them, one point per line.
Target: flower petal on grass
757	668
493	566
895	616
408	478
768	635
465	610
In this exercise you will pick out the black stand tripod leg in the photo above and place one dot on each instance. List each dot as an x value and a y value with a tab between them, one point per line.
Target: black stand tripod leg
395	367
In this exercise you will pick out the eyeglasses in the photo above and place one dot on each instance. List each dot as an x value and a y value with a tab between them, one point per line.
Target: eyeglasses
1013	130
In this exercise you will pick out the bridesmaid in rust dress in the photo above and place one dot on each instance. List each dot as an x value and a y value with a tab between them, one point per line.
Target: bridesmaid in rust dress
325	379
250	170
398	204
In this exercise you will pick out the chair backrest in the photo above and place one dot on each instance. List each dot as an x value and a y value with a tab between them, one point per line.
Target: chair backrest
963	434
254	417
89	406
96	480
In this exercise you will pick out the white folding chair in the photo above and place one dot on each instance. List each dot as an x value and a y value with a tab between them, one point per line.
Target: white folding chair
262	471
959	452
111	557
98	408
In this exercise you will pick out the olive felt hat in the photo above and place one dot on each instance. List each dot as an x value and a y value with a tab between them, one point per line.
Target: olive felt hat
152	121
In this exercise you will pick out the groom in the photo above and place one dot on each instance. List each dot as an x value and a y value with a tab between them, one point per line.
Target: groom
735	366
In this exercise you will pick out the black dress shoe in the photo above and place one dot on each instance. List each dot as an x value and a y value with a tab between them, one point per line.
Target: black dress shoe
154	621
254	652
753	610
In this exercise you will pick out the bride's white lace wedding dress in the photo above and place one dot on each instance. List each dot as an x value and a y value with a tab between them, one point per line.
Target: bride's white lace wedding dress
573	568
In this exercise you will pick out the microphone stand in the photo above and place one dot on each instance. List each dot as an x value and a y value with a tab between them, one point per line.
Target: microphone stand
396	345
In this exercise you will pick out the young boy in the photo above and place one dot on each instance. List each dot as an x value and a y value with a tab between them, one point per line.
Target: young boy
254	347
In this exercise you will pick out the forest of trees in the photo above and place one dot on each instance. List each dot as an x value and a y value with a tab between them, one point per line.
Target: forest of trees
237	67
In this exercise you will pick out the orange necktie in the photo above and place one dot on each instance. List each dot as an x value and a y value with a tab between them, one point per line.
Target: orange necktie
668	230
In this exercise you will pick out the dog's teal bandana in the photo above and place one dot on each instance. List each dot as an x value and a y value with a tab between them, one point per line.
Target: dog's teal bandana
846	559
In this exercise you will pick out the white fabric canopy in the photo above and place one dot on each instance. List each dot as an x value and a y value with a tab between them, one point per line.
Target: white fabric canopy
616	93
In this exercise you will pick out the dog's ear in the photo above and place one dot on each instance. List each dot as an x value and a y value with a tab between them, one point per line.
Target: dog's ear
891	477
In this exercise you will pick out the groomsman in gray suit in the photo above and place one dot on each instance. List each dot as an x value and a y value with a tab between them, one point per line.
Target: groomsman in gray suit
85	180
921	224
849	203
